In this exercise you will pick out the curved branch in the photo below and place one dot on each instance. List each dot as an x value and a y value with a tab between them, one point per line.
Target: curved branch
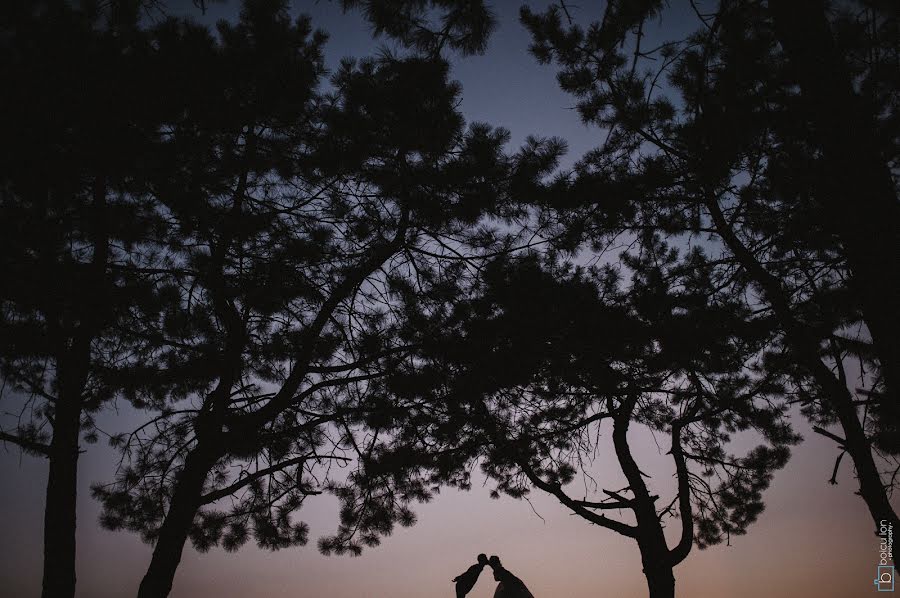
576	506
212	497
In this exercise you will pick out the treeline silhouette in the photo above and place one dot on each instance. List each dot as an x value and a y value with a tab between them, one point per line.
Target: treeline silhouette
312	280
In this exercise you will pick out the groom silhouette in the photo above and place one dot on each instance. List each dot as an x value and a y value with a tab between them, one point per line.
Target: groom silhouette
510	586
466	581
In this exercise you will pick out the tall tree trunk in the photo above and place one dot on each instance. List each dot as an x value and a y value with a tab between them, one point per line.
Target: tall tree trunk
186	500
660	580
861	205
61	500
62	479
73	362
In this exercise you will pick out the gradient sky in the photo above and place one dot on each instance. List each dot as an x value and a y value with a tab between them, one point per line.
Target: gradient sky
814	540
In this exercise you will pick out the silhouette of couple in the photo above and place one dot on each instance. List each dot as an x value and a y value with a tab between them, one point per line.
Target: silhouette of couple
510	586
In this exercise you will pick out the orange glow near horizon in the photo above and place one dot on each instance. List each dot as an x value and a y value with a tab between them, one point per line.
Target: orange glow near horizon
813	540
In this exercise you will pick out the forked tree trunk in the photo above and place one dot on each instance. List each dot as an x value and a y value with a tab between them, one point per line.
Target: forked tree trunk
657	562
655	554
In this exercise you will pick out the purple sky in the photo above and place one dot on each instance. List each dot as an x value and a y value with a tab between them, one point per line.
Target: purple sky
813	539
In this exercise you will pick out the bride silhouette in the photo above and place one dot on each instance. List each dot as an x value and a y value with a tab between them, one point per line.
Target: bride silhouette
466	581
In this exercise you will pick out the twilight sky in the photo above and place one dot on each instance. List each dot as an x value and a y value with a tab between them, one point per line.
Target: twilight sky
813	540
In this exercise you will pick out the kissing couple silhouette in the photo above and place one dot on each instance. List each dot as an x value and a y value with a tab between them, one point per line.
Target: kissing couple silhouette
510	586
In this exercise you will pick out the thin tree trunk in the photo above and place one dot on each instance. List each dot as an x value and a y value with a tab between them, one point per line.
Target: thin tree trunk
61	500
73	362
186	500
835	392
871	488
62	479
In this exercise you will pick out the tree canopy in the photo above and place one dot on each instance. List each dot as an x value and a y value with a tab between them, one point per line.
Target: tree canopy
312	278
718	140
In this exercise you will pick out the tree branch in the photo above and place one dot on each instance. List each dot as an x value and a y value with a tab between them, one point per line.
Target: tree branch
29	446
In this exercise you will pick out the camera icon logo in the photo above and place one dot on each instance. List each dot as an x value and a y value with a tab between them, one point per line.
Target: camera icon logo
885	579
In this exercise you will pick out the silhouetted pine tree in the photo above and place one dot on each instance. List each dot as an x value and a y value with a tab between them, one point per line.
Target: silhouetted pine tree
430	27
535	368
80	122
733	140
189	222
295	218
